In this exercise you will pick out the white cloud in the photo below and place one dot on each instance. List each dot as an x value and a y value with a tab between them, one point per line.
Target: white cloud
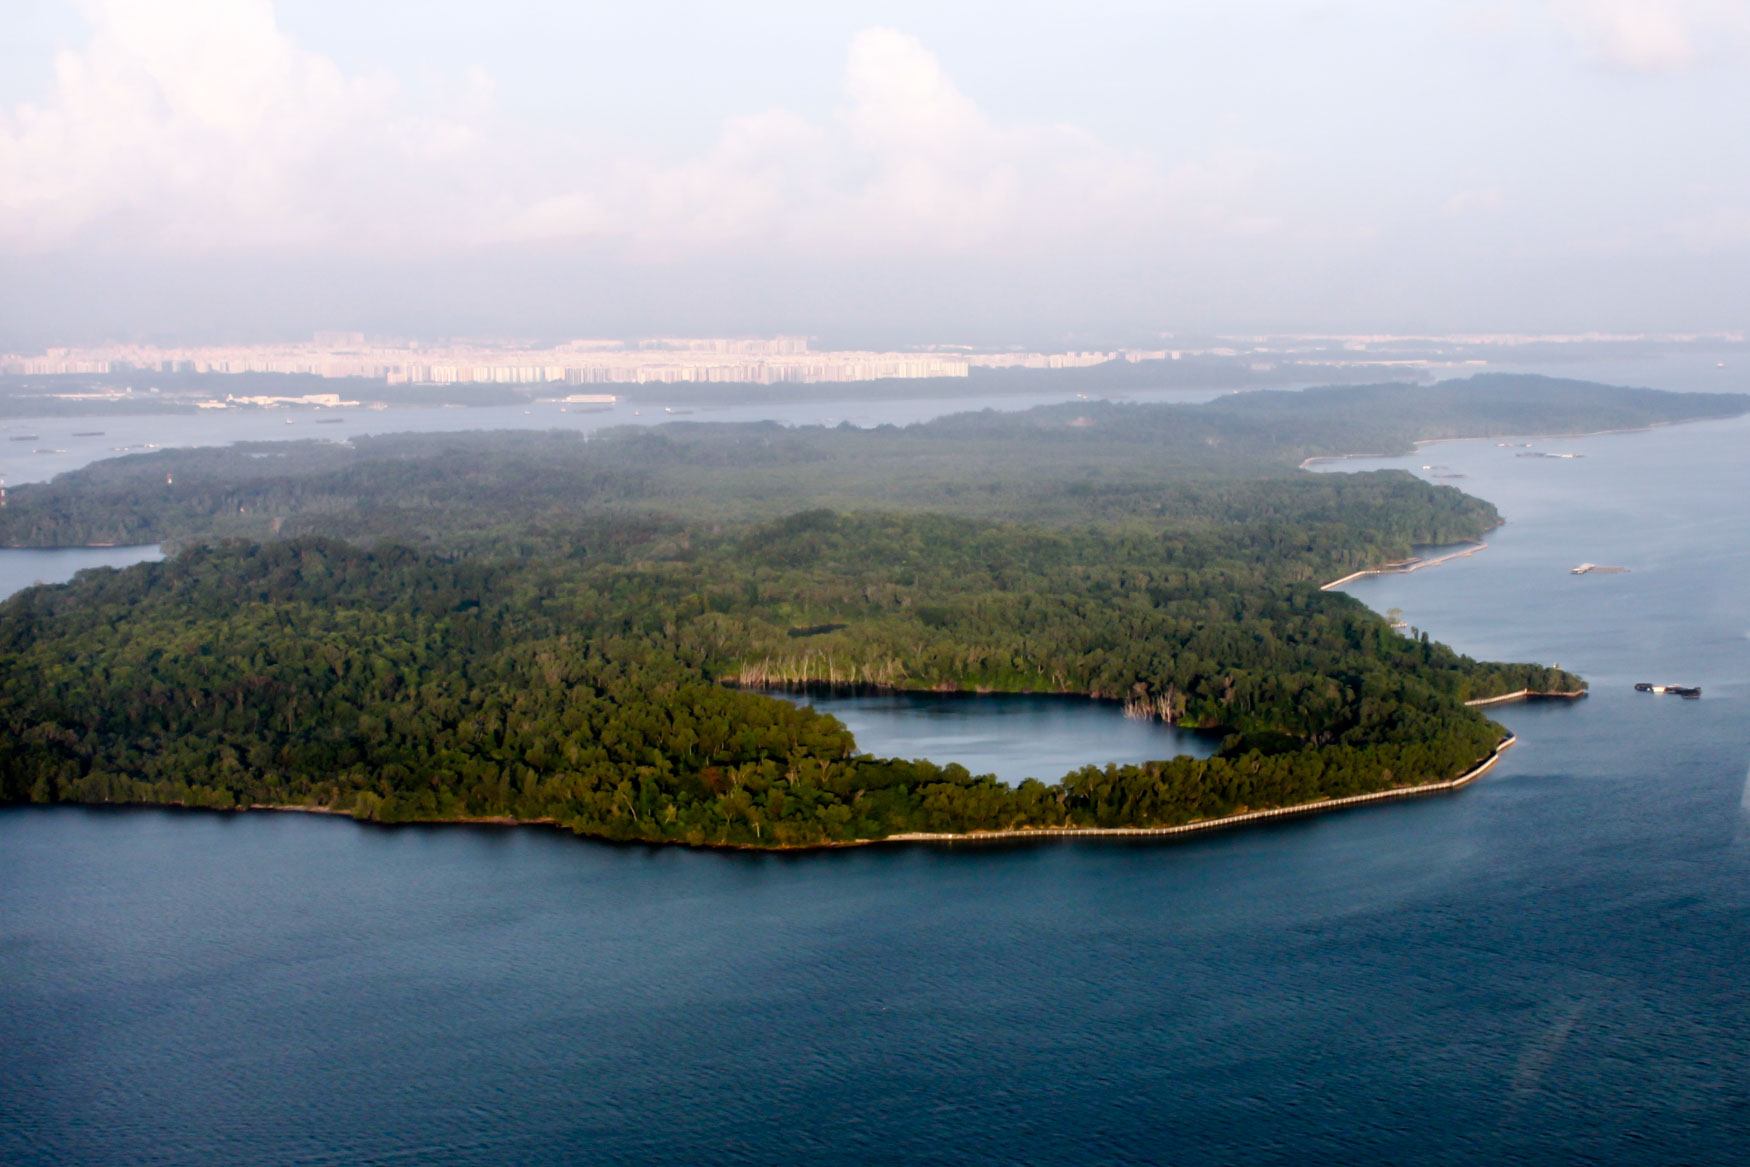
198	125
1653	35
908	161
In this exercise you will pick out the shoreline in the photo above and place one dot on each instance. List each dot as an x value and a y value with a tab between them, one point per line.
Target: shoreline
807	687
1418	443
1224	822
1406	566
1530	695
77	546
1320	806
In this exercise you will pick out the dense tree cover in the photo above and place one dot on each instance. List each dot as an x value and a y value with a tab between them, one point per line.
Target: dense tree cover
1209	627
1229	460
551	639
396	685
492	492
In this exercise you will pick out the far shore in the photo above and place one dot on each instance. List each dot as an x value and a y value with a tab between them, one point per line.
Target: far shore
1418	443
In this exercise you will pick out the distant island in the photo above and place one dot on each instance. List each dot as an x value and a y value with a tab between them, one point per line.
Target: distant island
535	627
355	370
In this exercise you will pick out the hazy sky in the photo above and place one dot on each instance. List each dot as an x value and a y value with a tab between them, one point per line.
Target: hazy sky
871	171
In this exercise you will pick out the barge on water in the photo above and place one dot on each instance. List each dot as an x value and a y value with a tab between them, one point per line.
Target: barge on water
1674	690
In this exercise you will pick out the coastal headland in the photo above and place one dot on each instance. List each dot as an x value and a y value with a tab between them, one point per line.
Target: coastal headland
1222	822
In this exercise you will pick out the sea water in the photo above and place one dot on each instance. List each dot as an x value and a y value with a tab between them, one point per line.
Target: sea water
1545	967
23	567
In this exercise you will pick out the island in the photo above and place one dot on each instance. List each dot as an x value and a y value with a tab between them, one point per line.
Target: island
532	627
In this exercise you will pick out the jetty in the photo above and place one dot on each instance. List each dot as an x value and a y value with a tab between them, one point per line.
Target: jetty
1690	691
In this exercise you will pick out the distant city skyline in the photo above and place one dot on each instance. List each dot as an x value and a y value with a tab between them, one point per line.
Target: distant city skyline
744	360
656	360
882	174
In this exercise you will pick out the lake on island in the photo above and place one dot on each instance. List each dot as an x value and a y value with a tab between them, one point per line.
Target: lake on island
1548	966
1012	735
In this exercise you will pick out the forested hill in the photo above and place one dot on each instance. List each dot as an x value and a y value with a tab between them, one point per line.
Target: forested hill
396	686
1221	461
1248	432
537	627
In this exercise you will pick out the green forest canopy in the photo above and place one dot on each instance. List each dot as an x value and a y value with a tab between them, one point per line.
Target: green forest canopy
537	627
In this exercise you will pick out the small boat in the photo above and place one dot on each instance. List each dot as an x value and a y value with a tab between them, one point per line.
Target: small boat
88	433
1691	691
329	420
25	438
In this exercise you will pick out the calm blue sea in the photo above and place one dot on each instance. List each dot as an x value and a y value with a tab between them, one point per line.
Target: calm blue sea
1551	966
